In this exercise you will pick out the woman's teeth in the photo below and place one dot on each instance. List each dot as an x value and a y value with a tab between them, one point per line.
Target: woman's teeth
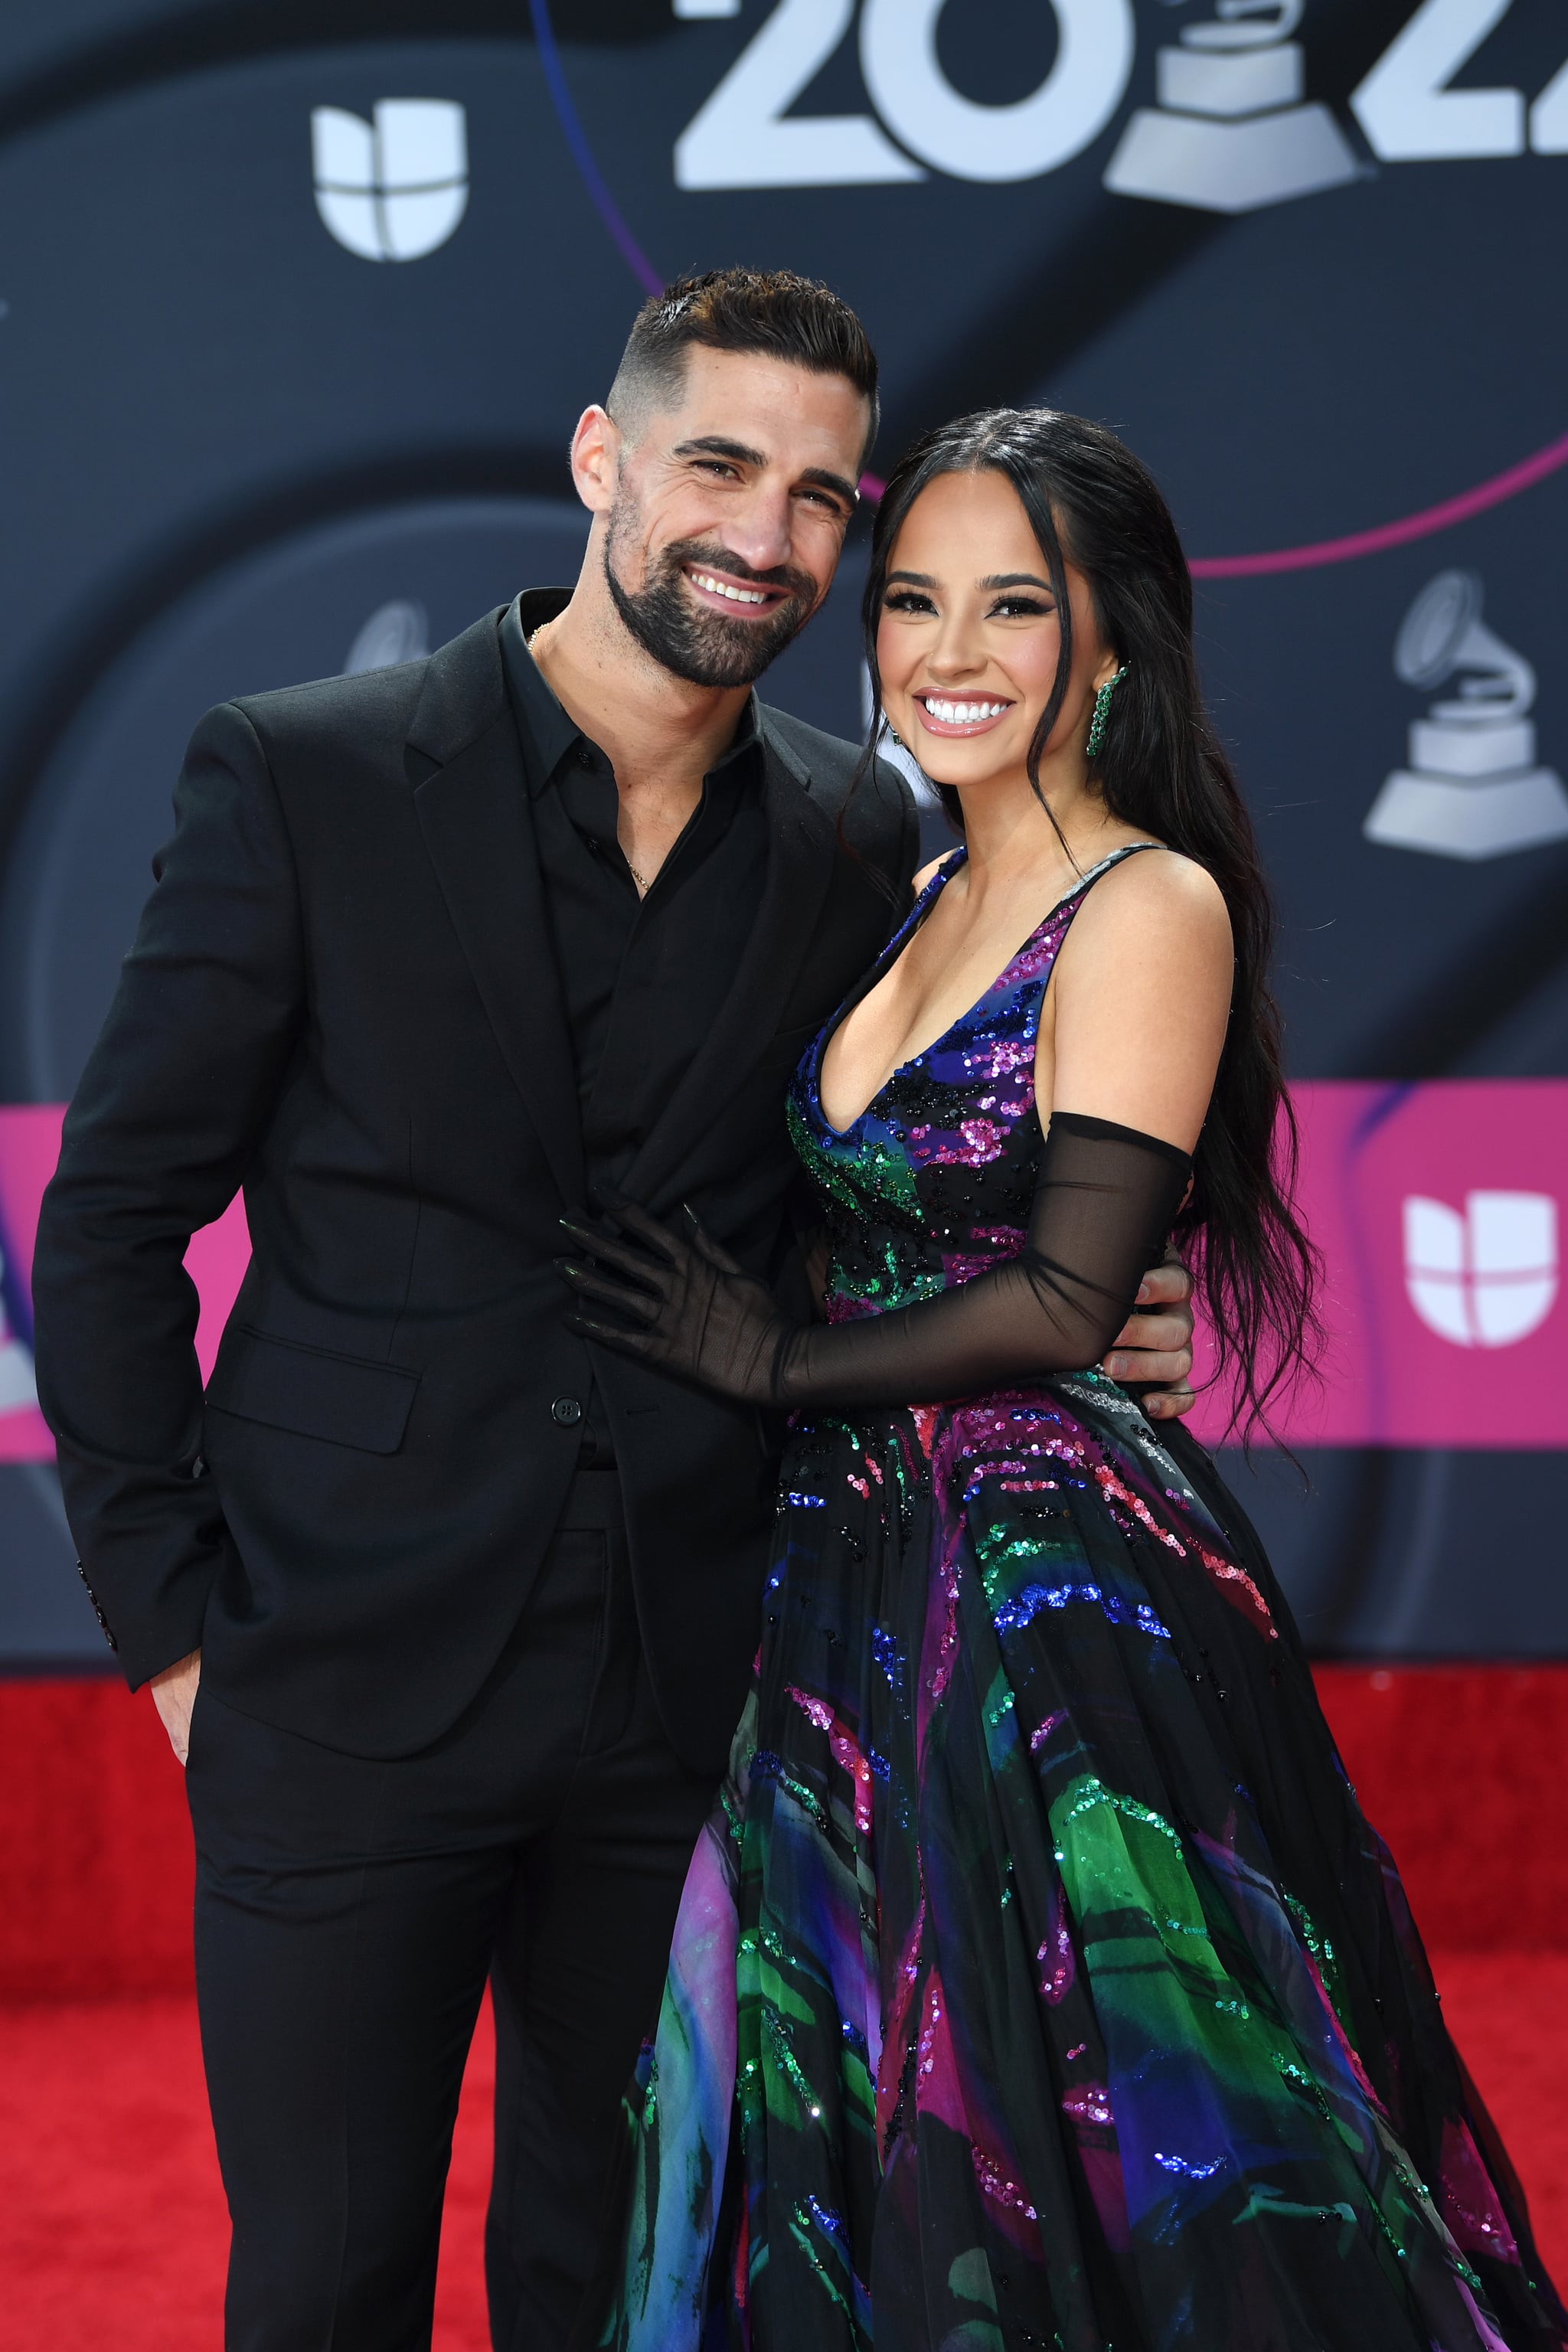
962	714
722	588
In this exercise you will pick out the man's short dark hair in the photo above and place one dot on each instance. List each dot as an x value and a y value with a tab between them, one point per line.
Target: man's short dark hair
773	312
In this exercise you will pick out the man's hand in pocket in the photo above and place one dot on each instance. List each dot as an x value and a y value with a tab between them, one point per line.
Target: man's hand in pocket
175	1694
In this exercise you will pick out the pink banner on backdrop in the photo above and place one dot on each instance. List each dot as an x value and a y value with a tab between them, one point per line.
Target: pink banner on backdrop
215	1260
1440	1209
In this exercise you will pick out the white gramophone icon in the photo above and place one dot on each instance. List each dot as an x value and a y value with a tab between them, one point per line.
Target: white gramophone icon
1472	789
1232	130
395	632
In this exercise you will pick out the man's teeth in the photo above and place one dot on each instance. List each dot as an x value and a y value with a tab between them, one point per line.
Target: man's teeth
962	714
722	588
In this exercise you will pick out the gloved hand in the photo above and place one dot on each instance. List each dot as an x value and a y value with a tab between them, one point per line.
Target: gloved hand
1104	1199
689	1309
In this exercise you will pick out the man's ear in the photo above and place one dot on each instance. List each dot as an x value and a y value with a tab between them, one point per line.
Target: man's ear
596	447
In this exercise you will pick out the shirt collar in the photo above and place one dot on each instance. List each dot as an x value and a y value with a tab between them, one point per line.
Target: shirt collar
547	733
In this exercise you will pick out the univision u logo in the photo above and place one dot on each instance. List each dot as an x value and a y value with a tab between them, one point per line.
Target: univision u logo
1485	1278
395	188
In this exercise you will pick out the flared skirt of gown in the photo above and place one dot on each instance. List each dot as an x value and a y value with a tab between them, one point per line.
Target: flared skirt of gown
1039	1982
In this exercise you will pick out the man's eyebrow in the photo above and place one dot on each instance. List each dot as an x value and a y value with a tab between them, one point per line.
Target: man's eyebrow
823	480
1016	580
714	445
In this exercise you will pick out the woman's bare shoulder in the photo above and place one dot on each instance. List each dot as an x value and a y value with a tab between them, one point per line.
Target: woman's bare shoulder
1145	977
1161	897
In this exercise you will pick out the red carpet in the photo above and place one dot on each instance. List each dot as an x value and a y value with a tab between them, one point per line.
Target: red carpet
112	2229
113	2232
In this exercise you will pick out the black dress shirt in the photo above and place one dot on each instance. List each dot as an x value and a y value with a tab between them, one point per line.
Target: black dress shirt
642	977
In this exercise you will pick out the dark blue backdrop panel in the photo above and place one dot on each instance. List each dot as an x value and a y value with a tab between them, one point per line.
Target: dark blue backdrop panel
244	452
389	582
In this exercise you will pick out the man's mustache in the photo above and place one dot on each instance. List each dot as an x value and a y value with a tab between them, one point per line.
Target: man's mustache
799	584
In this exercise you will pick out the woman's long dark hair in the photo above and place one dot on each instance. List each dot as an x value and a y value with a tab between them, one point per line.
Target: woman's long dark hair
1160	768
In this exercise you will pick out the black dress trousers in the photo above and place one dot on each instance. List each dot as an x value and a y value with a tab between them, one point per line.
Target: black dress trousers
348	1912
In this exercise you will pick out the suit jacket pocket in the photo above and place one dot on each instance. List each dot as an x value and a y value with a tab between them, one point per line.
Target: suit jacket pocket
342	1399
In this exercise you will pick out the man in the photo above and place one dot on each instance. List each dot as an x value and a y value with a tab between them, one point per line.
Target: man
431	954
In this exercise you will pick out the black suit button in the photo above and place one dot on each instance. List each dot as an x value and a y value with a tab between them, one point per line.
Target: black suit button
567	1411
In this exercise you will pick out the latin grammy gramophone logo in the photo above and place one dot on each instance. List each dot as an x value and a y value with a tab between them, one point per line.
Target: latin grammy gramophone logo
397	632
1233	129
1472	789
395	188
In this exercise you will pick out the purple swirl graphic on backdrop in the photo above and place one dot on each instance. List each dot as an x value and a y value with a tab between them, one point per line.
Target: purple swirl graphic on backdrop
1346	550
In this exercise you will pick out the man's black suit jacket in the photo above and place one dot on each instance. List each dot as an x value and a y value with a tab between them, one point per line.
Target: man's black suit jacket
343	998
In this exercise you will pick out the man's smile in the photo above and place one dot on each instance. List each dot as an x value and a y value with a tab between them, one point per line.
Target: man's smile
724	592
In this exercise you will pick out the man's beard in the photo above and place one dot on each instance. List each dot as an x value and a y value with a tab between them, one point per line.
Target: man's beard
704	648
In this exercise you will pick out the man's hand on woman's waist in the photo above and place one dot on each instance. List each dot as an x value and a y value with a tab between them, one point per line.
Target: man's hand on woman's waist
1155	1343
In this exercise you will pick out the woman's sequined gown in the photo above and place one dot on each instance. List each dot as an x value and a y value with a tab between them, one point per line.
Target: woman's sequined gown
1040	1987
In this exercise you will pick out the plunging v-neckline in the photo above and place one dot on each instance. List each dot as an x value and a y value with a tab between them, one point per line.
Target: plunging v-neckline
915	921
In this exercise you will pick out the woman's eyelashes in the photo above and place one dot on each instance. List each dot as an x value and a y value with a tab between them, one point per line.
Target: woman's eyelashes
1004	608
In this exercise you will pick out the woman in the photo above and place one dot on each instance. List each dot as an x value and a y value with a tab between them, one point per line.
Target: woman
1042	1984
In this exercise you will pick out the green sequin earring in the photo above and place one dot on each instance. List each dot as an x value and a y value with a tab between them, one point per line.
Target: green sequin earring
1102	711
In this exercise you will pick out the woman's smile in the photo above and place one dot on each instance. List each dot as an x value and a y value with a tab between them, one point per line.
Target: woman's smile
959	714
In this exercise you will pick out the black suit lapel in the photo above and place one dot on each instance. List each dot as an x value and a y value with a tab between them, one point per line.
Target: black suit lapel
475	815
802	846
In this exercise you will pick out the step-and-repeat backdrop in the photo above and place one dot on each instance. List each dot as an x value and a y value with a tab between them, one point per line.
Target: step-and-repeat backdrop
298	306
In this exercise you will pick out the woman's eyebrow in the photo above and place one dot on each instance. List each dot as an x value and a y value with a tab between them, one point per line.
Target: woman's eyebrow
915	579
1014	580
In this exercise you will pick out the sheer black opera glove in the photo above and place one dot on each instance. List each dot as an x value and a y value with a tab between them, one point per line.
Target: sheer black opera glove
1103	1204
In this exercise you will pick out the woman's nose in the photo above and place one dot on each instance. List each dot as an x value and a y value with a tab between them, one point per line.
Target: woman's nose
954	657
